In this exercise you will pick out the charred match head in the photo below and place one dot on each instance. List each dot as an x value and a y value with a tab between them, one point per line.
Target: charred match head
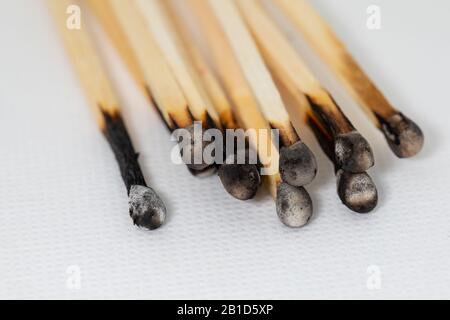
298	165
192	152
357	191
294	205
205	173
239	176
353	152
403	135
240	180
146	207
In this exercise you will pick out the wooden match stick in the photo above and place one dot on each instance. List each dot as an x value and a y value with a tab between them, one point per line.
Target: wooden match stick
357	191
297	163
131	34
146	208
129	30
241	180
157	23
294	205
203	72
107	18
352	151
403	135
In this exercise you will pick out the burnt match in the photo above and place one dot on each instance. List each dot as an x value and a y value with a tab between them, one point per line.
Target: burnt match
352	151
293	204
143	26
297	163
241	180
356	190
145	206
403	135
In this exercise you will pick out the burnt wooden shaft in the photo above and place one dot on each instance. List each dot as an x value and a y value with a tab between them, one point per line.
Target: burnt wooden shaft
127	158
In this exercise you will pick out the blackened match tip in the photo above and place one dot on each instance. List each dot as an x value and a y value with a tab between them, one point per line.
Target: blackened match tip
403	135
146	207
196	147
357	191
240	180
353	152
207	172
294	205
298	166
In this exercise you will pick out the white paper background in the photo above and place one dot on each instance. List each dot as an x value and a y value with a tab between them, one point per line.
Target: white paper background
62	201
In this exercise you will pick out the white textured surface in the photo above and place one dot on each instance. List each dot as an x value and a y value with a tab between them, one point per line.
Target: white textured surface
62	202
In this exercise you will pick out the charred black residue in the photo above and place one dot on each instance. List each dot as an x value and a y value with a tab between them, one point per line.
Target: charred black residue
240	180
294	205
120	142
403	135
298	166
172	118
209	122
357	191
324	139
353	152
328	121
209	171
284	142
388	130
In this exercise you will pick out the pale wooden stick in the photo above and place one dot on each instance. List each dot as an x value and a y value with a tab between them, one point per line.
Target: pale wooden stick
203	71
158	24
87	63
282	58
254	69
403	136
333	51
111	25
159	80
213	88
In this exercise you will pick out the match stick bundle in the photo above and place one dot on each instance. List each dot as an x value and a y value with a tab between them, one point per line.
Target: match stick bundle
357	191
403	135
297	163
346	148
240	180
352	151
243	79
151	25
294	206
